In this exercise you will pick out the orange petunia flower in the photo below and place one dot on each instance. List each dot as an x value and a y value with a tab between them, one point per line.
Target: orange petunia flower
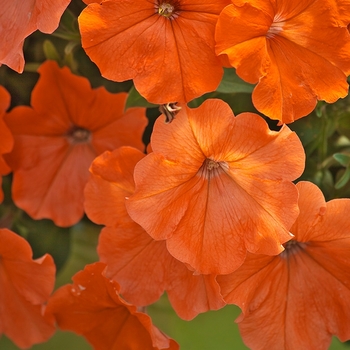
297	51
142	266
19	19
165	46
93	308
6	138
300	298
25	287
56	140
217	185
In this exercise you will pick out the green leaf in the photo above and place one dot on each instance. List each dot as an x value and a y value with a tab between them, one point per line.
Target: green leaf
70	47
69	22
31	67
136	100
309	133
320	109
231	83
343	180
50	51
84	237
342	158
68	29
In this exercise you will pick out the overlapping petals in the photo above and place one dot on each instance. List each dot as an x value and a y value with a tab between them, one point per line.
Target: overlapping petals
166	47
110	182
142	266
25	287
145	269
68	125
298	299
93	308
297	52
217	185
6	138
19	19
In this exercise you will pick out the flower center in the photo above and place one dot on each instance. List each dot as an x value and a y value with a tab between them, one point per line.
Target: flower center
168	9
78	135
169	110
292	247
276	27
211	168
211	164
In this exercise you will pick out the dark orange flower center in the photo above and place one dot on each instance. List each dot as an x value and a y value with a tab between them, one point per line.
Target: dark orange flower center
78	135
169	9
211	168
292	247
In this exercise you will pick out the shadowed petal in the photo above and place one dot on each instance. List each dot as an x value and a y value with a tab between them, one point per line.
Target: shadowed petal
56	140
6	137
19	19
25	286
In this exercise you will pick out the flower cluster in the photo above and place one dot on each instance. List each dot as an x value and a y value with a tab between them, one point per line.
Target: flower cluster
141	117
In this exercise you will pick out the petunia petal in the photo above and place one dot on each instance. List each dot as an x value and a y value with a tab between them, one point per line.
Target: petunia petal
297	96
19	19
93	307
236	43
159	53
142	266
190	293
298	299
297	52
136	261
216	186
110	182
25	286
6	137
57	139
